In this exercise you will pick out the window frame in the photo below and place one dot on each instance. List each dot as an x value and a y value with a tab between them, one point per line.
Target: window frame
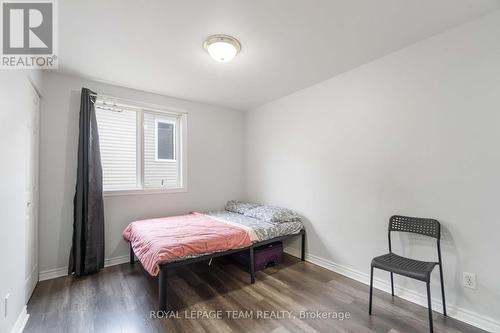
180	149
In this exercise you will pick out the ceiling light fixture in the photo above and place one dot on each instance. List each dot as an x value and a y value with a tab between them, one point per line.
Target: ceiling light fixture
222	48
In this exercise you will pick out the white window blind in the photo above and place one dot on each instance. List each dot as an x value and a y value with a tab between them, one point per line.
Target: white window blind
140	149
118	144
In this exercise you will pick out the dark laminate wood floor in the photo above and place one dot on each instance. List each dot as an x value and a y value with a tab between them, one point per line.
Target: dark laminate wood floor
120	298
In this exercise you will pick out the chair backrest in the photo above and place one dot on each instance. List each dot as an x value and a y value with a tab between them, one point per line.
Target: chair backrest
416	225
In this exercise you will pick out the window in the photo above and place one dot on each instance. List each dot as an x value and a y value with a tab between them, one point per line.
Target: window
165	140
141	149
160	151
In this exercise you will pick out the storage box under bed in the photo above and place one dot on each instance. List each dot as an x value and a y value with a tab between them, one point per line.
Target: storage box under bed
265	256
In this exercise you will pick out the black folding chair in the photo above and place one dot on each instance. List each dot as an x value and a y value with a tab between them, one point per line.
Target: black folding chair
416	269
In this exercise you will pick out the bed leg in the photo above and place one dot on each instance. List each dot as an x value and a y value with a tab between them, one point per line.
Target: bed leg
303	247
132	258
252	265
162	288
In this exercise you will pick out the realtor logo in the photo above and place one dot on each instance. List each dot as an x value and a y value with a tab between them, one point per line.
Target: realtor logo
28	32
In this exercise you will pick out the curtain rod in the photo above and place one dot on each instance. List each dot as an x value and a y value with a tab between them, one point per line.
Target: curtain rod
141	105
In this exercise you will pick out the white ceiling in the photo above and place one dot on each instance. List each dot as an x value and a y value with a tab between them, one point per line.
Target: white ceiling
287	45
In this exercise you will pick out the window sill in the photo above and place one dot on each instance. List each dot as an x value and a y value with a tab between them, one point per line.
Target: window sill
143	192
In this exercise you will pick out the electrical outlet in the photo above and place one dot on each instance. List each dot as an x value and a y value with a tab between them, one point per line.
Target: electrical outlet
469	280
6	303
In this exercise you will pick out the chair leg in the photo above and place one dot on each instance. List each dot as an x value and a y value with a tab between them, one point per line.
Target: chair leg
392	284
371	291
429	306
442	288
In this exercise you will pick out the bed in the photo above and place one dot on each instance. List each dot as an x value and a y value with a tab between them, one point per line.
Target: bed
167	242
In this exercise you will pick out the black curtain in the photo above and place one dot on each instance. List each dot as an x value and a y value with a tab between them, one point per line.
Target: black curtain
87	251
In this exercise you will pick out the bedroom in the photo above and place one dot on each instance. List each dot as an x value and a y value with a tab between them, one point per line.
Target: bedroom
343	113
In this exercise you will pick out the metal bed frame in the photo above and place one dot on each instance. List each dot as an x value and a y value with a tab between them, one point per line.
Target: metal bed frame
164	266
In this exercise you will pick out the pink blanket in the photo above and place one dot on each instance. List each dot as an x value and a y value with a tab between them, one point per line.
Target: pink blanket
175	237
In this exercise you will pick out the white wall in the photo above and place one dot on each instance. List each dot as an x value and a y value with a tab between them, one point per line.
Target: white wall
16	104
417	133
215	161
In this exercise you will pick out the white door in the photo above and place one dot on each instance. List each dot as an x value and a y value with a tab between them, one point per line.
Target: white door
32	162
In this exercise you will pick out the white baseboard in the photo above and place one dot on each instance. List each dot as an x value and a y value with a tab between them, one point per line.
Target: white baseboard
63	271
467	316
116	261
21	321
52	273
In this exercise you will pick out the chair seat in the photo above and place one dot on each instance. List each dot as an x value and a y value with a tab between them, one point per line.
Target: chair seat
420	270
